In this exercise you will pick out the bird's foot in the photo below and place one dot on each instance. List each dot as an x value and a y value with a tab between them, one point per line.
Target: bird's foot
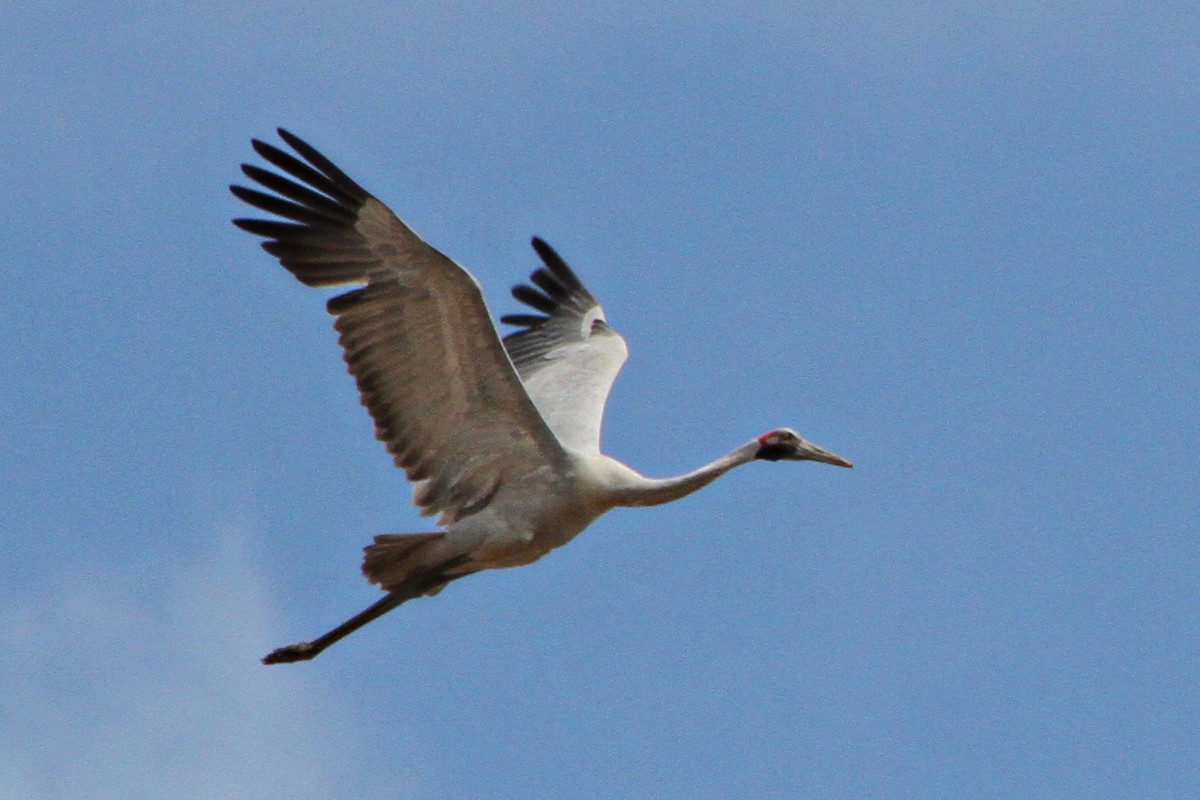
301	651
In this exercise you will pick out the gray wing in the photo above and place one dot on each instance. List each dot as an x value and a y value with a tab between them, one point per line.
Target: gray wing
567	356
417	337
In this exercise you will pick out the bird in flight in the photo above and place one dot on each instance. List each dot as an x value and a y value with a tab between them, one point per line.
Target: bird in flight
499	437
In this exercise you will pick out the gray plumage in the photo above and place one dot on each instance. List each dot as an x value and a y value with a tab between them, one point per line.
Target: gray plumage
501	438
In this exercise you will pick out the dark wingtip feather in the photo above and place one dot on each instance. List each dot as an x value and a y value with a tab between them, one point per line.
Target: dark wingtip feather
523	320
555	263
264	149
552	285
270	228
327	167
250	196
533	298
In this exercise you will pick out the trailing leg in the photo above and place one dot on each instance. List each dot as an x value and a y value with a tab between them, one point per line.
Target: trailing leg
428	584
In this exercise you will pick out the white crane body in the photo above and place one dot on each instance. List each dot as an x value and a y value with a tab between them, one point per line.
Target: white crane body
501	438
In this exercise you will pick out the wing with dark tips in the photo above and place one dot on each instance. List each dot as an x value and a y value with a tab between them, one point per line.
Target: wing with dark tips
416	335
567	355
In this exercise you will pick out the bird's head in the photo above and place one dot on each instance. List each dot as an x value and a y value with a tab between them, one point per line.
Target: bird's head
786	444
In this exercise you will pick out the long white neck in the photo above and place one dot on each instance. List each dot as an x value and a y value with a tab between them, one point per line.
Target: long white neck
637	490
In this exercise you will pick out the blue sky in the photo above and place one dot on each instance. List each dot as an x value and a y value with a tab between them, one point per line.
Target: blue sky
955	242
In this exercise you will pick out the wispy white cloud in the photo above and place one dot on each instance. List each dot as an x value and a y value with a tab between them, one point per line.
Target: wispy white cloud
127	686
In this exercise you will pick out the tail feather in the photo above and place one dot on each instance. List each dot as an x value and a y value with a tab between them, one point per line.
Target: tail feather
395	557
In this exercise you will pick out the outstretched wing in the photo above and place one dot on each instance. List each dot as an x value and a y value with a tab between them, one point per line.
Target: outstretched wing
417	335
567	356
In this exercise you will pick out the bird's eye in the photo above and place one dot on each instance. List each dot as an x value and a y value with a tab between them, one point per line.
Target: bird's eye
599	326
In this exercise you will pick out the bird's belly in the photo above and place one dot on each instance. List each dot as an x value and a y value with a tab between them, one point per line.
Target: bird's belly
512	532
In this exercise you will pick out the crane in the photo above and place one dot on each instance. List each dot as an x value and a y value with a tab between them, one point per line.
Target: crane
500	437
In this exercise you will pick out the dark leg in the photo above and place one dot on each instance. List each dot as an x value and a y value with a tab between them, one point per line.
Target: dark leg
303	651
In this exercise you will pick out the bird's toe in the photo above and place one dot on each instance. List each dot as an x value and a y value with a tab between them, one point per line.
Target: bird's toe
292	653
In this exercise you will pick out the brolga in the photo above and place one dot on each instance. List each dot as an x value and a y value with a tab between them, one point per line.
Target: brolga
500	437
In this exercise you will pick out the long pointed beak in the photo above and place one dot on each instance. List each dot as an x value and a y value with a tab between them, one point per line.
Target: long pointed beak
811	452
